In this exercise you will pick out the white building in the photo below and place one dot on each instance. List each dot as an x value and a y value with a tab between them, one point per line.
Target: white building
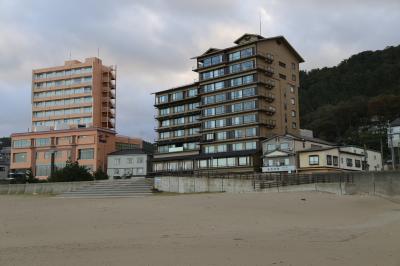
128	163
280	152
334	159
393	136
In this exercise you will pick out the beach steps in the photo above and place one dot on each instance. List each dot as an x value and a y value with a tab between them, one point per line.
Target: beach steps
135	187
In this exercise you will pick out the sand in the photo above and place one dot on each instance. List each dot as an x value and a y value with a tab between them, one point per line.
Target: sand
200	229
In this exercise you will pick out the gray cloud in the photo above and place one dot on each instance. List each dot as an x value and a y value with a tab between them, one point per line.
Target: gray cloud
152	42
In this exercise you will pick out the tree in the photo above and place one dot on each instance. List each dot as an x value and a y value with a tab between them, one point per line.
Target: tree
30	178
100	174
70	173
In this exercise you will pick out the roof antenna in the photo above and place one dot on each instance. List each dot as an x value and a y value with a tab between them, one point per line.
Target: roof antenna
98	52
70	55
260	22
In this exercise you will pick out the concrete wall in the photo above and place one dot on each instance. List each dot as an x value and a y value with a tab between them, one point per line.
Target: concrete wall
43	188
376	183
385	184
196	185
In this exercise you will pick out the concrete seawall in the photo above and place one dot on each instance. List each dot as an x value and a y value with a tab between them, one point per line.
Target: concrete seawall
203	184
385	184
43	188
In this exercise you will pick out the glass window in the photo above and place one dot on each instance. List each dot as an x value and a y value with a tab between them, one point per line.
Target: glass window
221	135
86	154
252	145
243	161
335	161
220	97
329	159
177	96
313	160
20	157
234	56
285	146
117	161
349	162
22	143
42	142
251	132
139	160
192	92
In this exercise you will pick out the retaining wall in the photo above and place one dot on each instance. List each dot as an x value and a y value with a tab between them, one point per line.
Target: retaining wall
203	184
372	183
43	188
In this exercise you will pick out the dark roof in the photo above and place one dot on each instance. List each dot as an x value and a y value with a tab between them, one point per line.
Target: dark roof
211	50
193	84
298	137
318	149
259	39
395	123
128	152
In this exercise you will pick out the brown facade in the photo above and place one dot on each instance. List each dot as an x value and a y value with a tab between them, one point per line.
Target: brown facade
247	93
88	146
75	94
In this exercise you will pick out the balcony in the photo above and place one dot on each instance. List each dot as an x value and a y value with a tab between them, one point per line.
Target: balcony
269	58
269	71
270	110
270	84
270	97
269	123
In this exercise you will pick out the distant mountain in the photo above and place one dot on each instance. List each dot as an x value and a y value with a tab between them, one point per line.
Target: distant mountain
351	103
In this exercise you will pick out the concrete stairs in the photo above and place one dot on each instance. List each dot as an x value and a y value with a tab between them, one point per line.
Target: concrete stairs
135	187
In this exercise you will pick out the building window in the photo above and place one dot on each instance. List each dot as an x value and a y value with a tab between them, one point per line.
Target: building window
22	143
162	99
20	157
358	163
292	101
335	161
192	92
329	159
282	76
177	96
139	160
294	125
293	66
271	147
42	142
129	160
281	64
293	113
291	88
285	146
313	160
293	77
349	162
86	154
117	161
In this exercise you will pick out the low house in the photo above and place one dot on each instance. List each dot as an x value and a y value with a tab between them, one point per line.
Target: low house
128	163
280	152
334	159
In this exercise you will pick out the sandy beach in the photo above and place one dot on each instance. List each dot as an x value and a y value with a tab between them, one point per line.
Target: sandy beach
200	229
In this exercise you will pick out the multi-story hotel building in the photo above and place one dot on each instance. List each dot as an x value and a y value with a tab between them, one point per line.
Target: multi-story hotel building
245	93
73	118
75	94
178	117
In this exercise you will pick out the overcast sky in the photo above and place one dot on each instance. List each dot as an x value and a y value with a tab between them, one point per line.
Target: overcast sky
151	42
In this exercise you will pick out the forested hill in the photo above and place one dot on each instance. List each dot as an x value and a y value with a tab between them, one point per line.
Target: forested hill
347	102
